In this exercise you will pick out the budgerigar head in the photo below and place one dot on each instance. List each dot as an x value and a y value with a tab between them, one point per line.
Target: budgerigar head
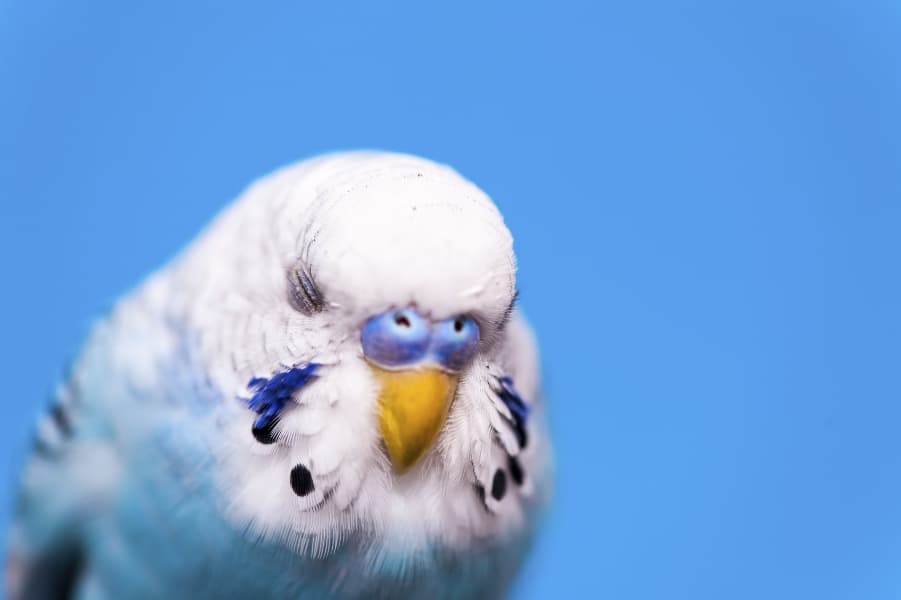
415	265
363	303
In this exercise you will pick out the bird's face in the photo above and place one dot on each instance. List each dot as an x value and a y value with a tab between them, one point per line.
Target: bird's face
417	362
419	271
360	308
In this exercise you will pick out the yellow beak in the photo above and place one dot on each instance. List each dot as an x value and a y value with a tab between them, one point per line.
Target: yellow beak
413	405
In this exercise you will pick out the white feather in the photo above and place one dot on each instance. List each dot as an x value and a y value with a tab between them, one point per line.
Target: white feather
375	231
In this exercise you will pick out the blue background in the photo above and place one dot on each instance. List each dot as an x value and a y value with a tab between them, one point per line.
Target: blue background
706	199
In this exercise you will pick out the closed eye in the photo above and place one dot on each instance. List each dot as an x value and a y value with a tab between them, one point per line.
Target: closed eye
303	294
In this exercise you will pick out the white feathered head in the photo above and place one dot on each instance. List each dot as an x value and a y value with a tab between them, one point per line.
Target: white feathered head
359	308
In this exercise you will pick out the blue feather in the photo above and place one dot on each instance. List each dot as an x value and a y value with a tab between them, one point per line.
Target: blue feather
518	408
270	395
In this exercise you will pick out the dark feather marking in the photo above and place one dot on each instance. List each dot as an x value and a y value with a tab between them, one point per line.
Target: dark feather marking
61	419
499	485
518	408
266	433
301	480
56	574
516	472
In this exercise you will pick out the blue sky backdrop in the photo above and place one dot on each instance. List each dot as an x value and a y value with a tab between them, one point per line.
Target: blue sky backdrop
706	200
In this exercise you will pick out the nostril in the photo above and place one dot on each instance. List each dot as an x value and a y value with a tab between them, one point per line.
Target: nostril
455	341
395	337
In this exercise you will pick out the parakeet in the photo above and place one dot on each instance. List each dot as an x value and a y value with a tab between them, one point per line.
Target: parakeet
330	393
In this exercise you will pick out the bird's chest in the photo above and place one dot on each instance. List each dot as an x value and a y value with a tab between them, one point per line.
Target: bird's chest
168	536
194	552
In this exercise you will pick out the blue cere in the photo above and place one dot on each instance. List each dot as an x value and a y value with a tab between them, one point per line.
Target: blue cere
271	395
396	338
454	341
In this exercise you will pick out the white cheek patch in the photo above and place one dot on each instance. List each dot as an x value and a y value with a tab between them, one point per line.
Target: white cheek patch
324	443
327	476
304	421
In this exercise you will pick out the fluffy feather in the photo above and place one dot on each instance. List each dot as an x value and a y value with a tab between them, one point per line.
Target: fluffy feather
187	498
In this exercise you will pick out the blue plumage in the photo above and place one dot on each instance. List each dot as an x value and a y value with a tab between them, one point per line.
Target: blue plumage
146	483
518	408
270	395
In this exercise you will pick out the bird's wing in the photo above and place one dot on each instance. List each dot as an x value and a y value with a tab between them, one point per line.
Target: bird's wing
80	447
68	475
